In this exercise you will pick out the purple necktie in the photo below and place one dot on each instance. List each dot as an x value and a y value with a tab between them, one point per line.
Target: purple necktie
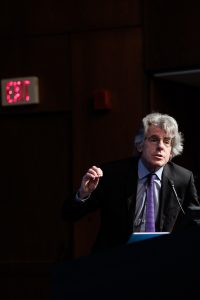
150	218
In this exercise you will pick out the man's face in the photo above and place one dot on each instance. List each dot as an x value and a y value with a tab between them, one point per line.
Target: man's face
156	150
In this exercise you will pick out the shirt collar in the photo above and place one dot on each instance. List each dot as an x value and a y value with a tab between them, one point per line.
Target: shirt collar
143	171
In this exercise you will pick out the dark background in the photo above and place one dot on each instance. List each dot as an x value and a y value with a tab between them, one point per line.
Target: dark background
133	49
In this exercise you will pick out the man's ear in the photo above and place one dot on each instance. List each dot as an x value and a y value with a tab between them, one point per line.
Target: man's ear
139	147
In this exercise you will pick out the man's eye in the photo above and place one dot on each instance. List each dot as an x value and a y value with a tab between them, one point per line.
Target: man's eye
167	141
154	139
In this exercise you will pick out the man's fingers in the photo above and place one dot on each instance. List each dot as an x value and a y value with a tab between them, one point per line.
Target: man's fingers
95	172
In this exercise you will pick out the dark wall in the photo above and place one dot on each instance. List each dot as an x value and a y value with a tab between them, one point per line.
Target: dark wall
181	101
171	34
76	48
172	44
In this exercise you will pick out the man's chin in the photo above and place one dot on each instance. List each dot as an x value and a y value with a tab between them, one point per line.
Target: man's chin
157	165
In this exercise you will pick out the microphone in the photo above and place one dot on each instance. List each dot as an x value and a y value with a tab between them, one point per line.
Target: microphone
176	196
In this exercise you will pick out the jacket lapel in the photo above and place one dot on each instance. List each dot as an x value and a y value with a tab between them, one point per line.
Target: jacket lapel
168	204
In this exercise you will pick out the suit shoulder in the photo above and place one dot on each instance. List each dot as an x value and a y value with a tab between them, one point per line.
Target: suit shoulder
178	169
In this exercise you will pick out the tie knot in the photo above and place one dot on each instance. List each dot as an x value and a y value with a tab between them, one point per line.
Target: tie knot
151	177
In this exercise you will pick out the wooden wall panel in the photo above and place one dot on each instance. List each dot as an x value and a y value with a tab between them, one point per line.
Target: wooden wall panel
113	61
110	60
36	165
35	181
171	34
25	281
46	57
74	48
35	17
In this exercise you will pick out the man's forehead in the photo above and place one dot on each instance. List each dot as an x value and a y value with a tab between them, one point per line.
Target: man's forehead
156	130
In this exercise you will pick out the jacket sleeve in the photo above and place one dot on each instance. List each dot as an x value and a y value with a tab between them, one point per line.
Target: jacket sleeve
74	209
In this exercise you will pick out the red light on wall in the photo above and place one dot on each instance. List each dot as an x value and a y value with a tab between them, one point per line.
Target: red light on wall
102	99
20	91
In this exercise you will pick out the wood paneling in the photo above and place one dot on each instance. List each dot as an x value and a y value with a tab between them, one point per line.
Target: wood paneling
74	47
36	17
110	60
44	57
171	34
35	180
26	281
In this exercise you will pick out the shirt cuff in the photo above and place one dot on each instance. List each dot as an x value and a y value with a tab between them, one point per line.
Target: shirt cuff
78	199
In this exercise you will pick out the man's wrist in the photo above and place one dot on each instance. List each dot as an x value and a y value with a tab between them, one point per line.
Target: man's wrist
82	196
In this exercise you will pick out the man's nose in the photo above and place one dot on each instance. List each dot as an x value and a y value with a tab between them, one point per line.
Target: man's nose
160	143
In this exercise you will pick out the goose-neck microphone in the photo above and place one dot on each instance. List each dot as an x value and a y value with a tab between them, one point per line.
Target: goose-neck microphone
176	196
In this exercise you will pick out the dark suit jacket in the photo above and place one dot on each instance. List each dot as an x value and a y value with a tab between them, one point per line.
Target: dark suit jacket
116	198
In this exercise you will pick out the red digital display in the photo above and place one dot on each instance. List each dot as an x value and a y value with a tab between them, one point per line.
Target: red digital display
19	91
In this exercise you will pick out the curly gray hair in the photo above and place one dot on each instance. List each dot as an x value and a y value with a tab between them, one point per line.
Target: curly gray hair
165	122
